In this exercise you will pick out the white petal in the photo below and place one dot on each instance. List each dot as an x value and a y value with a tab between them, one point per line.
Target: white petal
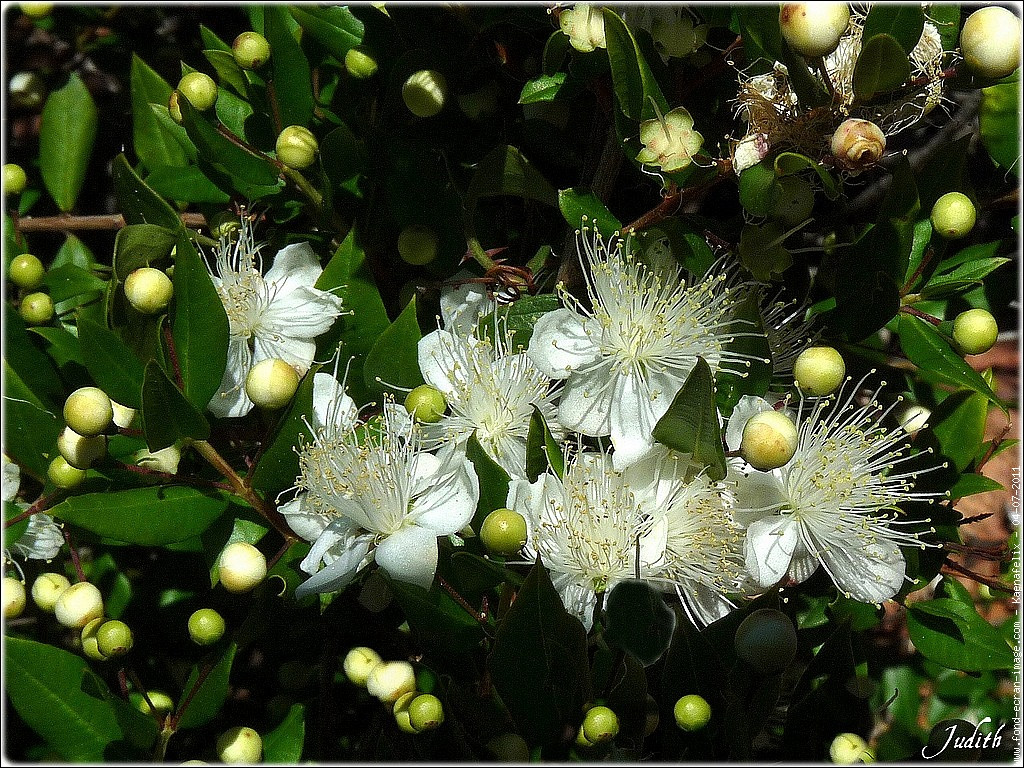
561	343
341	565
638	403
298	353
230	399
294	266
448	505
586	402
409	554
302	519
423	473
747	406
770	544
577	598
11	479
41	540
757	495
870	572
803	565
462	307
702	603
331	405
436	354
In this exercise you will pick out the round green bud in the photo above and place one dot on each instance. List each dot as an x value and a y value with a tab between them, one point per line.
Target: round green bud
63	475
36	309
36	10
115	638
417	245
819	370
426	404
15	180
426	712
28	91
148	290
360	64
79	451
241	567
91	642
47	588
914	419
88	411
509	748
813	29
794	202
857	144
26	271
692	712
769	440
296	147
759	188
224	224
358	664
161	702
600	724
239	745
251	50
206	626
174	107
953	215
766	640
390	679
990	42
271	383
847	749
424	92
14	597
78	605
503	532
401	712
975	331
200	90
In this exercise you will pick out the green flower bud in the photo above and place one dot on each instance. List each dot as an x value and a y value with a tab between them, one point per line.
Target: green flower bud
426	712
503	532
769	440
692	712
78	605
390	679
426	404
174	107
401	712
857	144
813	29
47	588
819	370
79	451
36	10
795	201
148	290
206	626
600	724
115	638
36	309
241	567
847	749
271	383
296	147
14	597
584	25
424	92
88	411
14	184
358	664
953	215
990	42
360	64
239	745
224	224
251	50
63	475
161	702
766	640
26	270
91	642
975	331
200	90
417	244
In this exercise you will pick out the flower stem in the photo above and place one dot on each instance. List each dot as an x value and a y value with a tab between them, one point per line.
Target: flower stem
75	559
40	504
69	223
923	315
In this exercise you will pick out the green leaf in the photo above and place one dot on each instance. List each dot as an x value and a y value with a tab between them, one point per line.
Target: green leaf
931	352
292	81
167	416
112	365
539	662
46	688
543	88
335	28
68	281
951	633
493	481
66	136
881	67
209	696
228	71
519	318
958	423
155	142
279	464
283	745
436	620
542	451
969	484
73	251
233	111
211	40
139	203
188	185
762	37
690	425
755	380
393	359
30	428
140	245
199	326
34	370
788	163
904	23
583	209
639	622
632	80
999	123
152	517
505	171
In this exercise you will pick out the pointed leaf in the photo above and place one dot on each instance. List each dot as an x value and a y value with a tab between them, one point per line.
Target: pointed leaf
393	359
542	450
543	88
335	28
139	203
632	80
66	136
206	697
583	209
155	142
283	745
639	622
112	365
881	67
292	80
167	415
951	633
932	353
691	423
493	481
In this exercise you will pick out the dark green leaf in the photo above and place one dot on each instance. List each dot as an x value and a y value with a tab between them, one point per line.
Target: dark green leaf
931	352
959	425
189	185
35	372
999	123
69	280
583	209
209	697
519	318
881	67
211	40
167	416
762	38
951	633
66	136
755	380
903	22
788	163
542	451
493	482
30	428
505	171
969	484
283	745
113	366
690	425
233	111
436	620
393	358
946	16
279	464
156	143
228	71
73	251
639	622
139	203
140	245
543	88
632	80
13	532
292	82
335	28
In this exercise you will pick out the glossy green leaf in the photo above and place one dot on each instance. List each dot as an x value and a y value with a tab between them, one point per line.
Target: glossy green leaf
167	416
233	111
931	352
199	326
69	280
436	620
30	428
903	22
292	81
506	171
66	136
958	423
188	185
970	484
493	481
156	143
113	366
208	698
632	79
542	88
335	28
539	661
283	745
690	425
639	622
582	209
279	464
75	252
33	369
881	67
542	450
228	71
393	358
519	318
788	163
951	633
139	203
757	378
14	531
946	17
999	123
140	245
762	37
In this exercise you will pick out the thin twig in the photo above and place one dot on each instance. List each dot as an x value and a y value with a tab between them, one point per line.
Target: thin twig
69	223
988	582
39	505
923	315
200	482
172	352
992	447
76	561
929	254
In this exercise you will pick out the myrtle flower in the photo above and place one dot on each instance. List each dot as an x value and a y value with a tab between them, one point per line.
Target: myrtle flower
669	141
626	353
42	539
584	25
374	495
834	505
277	315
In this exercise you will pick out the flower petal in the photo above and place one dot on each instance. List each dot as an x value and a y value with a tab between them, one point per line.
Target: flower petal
562	343
587	401
638	403
577	598
410	555
341	565
298	353
462	307
770	544
230	399
437	357
331	404
295	266
301	313
757	495
703	604
302	519
870	572
448	504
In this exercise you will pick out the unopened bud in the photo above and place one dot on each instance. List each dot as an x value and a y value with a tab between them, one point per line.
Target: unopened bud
857	144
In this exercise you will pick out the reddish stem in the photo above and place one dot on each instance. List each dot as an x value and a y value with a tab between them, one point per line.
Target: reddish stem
923	315
172	352
925	261
40	504
75	559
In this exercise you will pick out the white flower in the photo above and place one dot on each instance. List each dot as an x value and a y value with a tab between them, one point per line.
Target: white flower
833	505
374	495
626	355
589	530
11	479
464	302
273	316
42	539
